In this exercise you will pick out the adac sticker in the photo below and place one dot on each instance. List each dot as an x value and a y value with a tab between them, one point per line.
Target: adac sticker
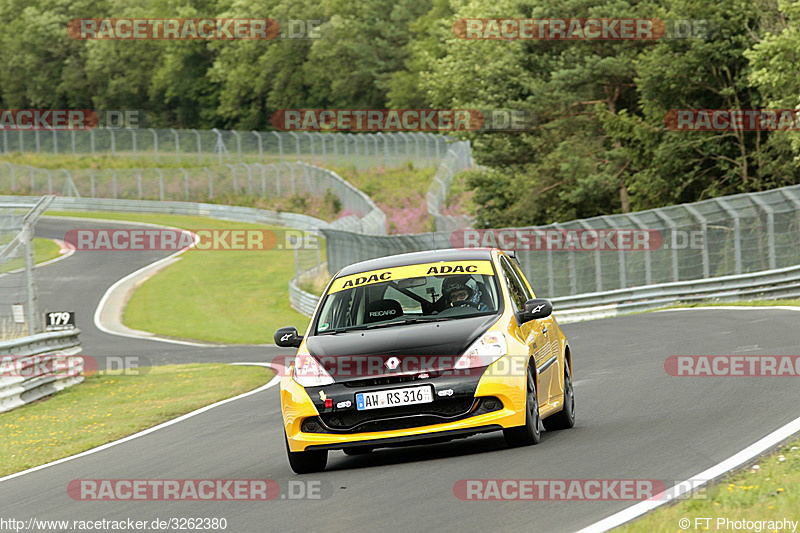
412	271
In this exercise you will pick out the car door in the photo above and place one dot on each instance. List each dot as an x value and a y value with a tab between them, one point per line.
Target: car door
532	332
548	349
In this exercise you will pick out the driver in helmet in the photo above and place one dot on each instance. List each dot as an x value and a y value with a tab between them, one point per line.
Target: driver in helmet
458	291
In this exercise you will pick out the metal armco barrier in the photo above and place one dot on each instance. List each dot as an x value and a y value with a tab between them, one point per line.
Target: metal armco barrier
16	388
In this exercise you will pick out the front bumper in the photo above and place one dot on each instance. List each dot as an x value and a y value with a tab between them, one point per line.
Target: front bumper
467	411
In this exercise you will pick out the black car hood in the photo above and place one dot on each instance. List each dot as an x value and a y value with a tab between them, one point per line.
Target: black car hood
446	340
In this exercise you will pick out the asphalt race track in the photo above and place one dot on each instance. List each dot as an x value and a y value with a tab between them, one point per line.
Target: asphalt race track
634	421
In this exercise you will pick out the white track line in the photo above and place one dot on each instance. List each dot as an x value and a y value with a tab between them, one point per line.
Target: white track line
703	478
274	381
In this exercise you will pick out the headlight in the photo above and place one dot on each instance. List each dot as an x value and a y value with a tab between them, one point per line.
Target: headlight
308	372
483	352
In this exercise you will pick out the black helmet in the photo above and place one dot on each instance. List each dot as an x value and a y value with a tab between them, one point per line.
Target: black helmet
456	283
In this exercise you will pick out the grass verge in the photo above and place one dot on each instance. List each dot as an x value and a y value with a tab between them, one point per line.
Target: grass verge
43	250
743	303
767	491
109	406
231	297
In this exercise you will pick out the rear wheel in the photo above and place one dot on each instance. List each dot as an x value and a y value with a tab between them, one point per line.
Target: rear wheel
530	433
306	462
565	418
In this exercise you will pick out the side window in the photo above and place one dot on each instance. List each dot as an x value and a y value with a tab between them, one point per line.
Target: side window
521	277
515	288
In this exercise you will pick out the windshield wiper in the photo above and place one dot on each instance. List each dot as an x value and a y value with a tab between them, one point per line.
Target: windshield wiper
406	320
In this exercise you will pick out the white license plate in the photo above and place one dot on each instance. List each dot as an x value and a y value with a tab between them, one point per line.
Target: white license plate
393	398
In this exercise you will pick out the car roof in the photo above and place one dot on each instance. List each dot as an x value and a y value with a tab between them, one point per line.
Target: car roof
413	258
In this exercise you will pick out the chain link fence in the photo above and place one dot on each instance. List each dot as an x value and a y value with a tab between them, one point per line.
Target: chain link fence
192	184
19	313
209	147
736	234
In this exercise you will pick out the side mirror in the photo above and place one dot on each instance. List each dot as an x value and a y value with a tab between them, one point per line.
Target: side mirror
288	337
536	308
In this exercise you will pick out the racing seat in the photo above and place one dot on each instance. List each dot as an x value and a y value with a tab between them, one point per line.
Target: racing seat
382	310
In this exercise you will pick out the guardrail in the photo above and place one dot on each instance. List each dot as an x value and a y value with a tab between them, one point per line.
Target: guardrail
16	387
766	285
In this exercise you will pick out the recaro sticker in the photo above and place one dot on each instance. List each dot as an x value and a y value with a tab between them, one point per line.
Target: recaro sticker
411	271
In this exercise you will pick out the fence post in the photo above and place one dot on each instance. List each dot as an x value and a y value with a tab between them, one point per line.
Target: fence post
72	139
623	280
55	142
598	274
673	249
177	144
280	146
704	227
737	233
200	147
770	227
235	181
311	143
573	273
324	154
155	141
36	136
648	266
133	140
21	144
260	149
238	144
296	142
5	142
91	140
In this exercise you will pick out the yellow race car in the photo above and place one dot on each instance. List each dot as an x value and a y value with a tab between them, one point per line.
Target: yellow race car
424	347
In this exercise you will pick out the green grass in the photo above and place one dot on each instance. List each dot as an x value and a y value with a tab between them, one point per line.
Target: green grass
743	303
771	492
231	297
43	250
107	407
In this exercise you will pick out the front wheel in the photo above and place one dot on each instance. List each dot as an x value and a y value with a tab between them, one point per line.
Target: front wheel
306	462
530	433
565	418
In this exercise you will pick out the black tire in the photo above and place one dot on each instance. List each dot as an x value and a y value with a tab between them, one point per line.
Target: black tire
358	450
565	418
306	462
530	433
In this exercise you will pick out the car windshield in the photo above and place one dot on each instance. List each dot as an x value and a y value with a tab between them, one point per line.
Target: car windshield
409	294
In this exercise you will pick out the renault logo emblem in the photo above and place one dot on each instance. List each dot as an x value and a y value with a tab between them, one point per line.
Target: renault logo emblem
392	363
